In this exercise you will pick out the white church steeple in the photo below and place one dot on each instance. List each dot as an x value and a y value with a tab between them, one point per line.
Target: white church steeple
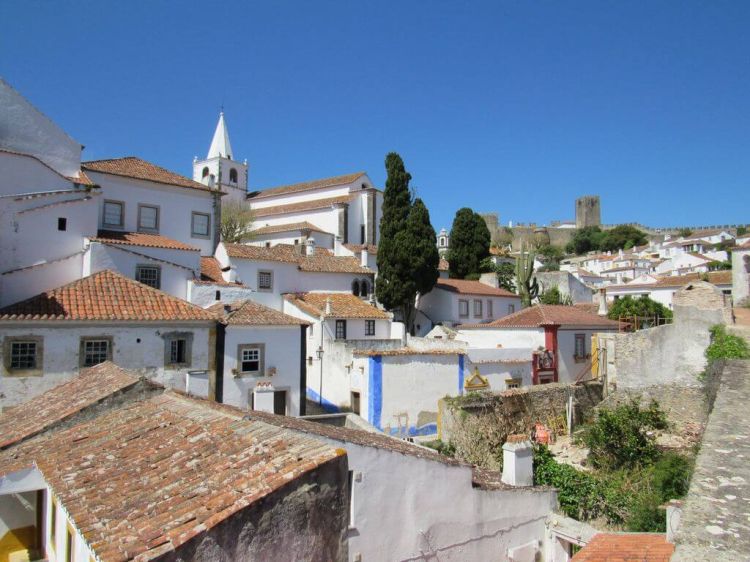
219	170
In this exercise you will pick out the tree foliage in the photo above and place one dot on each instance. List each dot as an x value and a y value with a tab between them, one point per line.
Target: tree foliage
554	296
470	243
236	222
593	238
407	252
643	307
726	346
505	272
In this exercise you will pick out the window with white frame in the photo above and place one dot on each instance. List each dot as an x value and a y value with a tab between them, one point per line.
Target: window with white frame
113	214
148	218
477	308
369	327
250	359
200	225
265	280
148	275
340	329
95	351
463	308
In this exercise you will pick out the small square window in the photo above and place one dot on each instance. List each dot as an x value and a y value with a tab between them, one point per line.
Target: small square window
340	329
95	351
250	359
369	327
23	355
148	275
477	308
265	280
463	308
148	218
113	214
200	225
62	224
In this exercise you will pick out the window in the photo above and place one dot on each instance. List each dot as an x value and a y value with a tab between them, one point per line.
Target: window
148	275
178	349
233	175
340	329
369	327
580	347
62	223
364	288
268	244
22	355
354	401
477	308
511	308
362	234
463	308
113	214
148	218
279	402
204	173
95	351
512	383
355	288
250	358
53	523
68	544
217	296
201	225
265	280
489	309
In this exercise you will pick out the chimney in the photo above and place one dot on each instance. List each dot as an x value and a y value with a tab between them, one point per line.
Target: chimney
337	245
309	247
489	279
602	302
329	307
364	257
518	461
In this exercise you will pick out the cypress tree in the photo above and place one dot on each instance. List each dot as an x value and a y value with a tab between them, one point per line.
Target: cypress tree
470	243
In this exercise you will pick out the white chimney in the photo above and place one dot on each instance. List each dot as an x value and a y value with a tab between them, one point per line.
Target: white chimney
518	461
602	302
329	307
364	257
337	245
309	247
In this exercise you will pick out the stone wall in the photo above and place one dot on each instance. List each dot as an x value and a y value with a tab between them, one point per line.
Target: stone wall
478	424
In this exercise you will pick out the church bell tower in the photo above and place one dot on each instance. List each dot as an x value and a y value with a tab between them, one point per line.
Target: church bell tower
219	170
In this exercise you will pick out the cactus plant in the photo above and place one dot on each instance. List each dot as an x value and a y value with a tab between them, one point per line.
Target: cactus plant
528	288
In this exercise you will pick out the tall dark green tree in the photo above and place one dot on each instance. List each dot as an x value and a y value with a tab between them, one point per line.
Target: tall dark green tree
407	251
470	244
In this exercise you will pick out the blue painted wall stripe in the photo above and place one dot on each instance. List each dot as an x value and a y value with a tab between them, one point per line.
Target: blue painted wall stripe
327	406
375	391
460	374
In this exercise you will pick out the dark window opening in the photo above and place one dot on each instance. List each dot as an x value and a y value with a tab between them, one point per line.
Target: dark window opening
362	234
233	176
217	296
355	402
340	329
279	402
62	223
205	172
369	327
355	288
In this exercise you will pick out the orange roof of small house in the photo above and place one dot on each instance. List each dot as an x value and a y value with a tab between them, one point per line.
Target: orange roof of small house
540	315
311	205
343	305
211	272
249	313
307	185
104	296
291	227
626	547
467	287
134	167
322	260
143	239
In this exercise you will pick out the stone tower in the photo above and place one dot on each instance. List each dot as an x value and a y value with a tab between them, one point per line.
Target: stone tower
219	169
588	211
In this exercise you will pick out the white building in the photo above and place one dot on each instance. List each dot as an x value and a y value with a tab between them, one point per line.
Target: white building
212	288
662	289
271	272
104	317
261	363
559	335
457	301
741	273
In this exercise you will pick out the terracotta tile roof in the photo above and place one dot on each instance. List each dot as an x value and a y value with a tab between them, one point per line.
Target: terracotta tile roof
62	402
466	287
141	239
249	313
104	296
626	547
343	305
356	248
142	480
540	315
406	351
134	167
259	212
82	179
307	186
275	229
590	307
211	272
321	261
676	281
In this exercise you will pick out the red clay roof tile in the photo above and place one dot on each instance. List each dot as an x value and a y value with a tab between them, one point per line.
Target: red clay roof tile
143	239
640	547
466	287
343	305
249	313
321	261
540	315
307	185
134	167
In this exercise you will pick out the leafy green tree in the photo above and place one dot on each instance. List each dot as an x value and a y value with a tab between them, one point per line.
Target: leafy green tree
585	240
506	273
685	232
622	237
644	307
741	231
407	252
470	243
554	296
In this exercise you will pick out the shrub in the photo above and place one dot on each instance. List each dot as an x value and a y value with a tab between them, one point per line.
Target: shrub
646	515
726	346
618	437
671	476
628	306
445	449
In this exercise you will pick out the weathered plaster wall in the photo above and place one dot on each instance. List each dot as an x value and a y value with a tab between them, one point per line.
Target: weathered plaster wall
567	284
204	294
741	275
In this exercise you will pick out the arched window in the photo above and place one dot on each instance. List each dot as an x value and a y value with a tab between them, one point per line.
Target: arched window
205	172
364	288
233	175
355	288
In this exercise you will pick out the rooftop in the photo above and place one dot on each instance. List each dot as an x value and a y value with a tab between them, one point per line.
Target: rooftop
145	478
343	305
141	239
308	185
322	260
211	272
312	205
291	227
104	296
676	281
626	547
466	287
540	315
62	402
356	248
249	313
134	167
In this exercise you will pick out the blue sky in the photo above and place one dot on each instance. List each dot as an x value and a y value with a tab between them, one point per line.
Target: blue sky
516	107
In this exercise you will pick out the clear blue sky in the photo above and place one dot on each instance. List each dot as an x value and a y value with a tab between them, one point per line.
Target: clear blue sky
514	106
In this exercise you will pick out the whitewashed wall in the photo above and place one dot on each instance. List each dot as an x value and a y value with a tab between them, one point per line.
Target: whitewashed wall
282	351
203	294
138	348
26	283
517	337
442	306
321	239
740	276
326	219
